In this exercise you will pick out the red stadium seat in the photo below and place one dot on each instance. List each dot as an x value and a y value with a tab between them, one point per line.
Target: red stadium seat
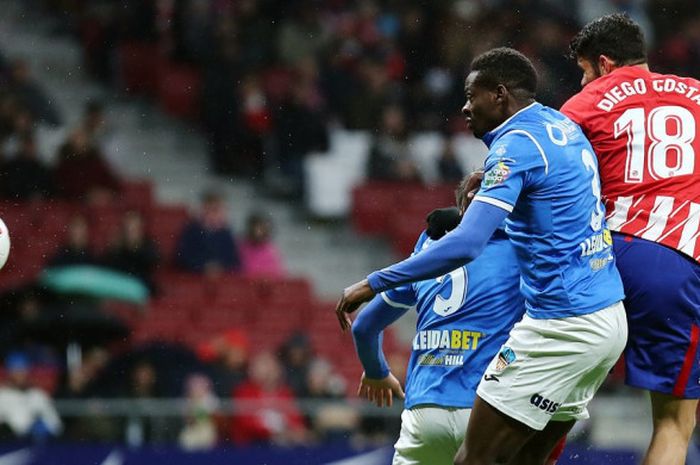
165	224
138	66
231	289
160	329
185	287
404	231
138	194
173	308
283	289
179	89
371	205
375	202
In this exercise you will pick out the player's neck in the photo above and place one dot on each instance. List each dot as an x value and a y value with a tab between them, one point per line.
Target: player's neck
515	105
644	66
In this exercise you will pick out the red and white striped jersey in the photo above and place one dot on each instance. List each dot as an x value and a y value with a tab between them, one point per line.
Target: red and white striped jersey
644	128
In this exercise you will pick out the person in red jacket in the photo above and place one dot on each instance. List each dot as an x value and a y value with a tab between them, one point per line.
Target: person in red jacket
269	411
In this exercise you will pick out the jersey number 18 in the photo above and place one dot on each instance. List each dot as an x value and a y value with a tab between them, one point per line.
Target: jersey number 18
671	129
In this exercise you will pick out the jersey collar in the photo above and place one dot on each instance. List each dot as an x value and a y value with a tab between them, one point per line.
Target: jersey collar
493	134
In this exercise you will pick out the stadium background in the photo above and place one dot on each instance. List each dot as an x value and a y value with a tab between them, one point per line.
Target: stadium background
318	134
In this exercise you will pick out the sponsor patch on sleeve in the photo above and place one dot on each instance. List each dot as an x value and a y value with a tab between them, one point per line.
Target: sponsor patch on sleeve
496	175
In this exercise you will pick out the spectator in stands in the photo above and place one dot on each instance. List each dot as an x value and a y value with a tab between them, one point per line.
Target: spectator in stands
199	432
76	249
300	128
448	165
257	123
271	414
322	382
228	352
77	379
389	157
221	105
31	96
300	34
134	252
375	92
296	356
21	124
82	173
26	412
332	420
207	244
94	123
78	383
259	253
9	107
25	177
142	384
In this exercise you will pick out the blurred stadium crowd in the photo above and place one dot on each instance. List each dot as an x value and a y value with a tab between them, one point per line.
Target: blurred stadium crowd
265	80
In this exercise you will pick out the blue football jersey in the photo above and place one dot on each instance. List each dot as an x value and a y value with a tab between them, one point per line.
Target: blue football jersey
542	169
463	319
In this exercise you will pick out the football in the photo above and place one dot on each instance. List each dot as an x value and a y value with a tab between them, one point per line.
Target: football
4	243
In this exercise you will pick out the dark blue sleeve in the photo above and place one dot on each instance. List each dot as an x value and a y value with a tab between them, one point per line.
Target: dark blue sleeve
456	249
237	264
227	250
367	331
189	251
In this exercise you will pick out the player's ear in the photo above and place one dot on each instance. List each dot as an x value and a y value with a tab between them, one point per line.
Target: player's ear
500	94
605	65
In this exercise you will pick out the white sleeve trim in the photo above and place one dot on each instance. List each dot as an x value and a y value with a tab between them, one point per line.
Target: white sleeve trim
495	202
537	144
392	303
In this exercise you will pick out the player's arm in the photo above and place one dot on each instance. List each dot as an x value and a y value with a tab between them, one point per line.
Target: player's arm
377	385
506	175
456	249
368	331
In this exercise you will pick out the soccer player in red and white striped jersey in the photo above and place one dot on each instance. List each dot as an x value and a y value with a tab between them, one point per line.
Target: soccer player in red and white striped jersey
644	128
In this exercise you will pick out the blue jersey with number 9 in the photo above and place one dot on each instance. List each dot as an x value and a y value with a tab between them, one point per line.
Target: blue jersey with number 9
463	319
543	170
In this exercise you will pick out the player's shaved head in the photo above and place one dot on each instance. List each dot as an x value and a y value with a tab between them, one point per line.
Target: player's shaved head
615	36
508	67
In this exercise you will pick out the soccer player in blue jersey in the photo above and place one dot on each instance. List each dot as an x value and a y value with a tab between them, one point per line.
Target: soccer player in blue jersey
541	177
463	319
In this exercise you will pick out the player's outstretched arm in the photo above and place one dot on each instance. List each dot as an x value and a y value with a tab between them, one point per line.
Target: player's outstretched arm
456	249
353	297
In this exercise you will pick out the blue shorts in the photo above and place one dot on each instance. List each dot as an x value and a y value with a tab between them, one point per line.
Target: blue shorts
662	288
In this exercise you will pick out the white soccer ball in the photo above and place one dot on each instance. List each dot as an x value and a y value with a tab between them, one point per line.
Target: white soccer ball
4	243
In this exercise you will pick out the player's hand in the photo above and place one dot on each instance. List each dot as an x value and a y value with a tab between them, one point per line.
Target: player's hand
471	189
353	297
380	392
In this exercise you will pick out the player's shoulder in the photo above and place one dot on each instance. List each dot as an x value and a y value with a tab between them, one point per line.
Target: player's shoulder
582	100
674	77
423	242
579	104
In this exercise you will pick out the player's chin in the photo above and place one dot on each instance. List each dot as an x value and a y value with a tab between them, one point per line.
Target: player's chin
478	133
